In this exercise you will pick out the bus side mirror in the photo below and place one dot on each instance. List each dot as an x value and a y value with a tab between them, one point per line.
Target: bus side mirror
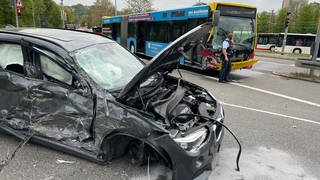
216	17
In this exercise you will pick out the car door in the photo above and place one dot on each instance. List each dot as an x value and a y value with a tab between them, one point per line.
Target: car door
14	85
62	108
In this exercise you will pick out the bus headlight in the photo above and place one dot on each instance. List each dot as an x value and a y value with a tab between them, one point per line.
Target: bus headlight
192	142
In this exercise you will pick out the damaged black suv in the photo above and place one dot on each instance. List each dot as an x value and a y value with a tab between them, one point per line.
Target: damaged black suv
86	95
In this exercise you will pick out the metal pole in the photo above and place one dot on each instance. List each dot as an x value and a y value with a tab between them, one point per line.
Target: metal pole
115	8
16	12
62	14
286	30
316	49
34	22
284	40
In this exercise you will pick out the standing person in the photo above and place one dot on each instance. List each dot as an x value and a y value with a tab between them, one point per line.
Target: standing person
227	50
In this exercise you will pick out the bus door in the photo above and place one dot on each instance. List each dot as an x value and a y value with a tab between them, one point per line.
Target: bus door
141	36
116	31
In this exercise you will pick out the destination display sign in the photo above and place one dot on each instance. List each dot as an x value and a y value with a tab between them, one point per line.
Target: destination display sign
237	11
141	17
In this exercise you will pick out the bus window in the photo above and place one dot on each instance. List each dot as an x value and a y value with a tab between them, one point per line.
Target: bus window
131	29
263	40
157	32
107	30
116	31
192	23
309	40
178	28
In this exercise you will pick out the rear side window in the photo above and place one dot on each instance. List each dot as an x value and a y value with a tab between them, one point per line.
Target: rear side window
54	71
11	57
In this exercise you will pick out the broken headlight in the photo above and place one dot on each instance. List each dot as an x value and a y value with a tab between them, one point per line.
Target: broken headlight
193	141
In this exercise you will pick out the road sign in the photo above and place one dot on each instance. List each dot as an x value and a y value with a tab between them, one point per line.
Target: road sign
19	4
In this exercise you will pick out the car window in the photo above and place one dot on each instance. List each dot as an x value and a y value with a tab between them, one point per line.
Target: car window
11	57
53	70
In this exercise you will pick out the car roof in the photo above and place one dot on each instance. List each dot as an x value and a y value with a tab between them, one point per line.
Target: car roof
70	40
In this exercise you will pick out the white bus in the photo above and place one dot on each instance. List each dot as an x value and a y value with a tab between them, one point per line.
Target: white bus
296	43
267	41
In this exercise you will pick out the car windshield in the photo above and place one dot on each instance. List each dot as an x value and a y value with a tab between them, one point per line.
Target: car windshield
242	28
109	65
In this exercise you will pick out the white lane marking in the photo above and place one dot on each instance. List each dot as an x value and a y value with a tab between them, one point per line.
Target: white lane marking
271	93
272	113
277	94
276	63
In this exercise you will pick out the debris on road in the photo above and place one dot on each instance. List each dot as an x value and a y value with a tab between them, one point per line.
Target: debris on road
49	178
61	161
5	162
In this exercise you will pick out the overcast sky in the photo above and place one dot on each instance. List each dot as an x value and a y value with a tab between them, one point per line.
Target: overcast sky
262	5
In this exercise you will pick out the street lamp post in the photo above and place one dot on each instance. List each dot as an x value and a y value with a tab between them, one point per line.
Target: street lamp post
62	14
316	48
115	7
16	12
34	22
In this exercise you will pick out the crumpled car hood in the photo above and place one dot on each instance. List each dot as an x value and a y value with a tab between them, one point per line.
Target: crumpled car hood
169	58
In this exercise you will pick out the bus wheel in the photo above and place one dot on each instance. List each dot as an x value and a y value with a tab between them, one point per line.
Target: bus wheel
204	63
272	48
132	48
297	51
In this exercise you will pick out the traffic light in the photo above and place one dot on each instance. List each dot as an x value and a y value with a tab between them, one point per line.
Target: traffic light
19	12
19	6
287	20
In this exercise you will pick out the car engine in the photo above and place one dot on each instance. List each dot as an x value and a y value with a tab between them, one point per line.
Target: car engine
172	101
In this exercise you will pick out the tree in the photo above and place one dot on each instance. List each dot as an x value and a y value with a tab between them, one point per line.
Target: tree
279	25
99	9
306	22
80	13
51	14
7	13
125	11
264	20
138	6
70	16
46	13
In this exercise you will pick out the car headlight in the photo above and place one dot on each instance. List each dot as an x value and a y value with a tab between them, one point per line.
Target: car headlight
193	141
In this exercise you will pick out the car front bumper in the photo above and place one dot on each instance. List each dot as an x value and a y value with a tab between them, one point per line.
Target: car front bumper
188	166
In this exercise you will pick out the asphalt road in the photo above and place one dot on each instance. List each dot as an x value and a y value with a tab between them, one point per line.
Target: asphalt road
276	119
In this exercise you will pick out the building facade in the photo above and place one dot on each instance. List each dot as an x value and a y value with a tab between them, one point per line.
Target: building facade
293	4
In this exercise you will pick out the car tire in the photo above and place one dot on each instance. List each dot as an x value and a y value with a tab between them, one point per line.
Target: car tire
137	152
132	49
296	51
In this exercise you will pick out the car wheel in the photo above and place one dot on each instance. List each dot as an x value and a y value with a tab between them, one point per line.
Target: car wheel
297	51
132	50
272	48
137	152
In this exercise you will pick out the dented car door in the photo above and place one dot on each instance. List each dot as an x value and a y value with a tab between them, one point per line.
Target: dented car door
14	102
61	106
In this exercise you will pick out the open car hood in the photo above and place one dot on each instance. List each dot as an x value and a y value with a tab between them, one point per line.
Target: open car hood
169	58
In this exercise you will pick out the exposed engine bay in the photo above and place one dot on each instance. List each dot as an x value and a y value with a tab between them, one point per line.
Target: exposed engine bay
170	100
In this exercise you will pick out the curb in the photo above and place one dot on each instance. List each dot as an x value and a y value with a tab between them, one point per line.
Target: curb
278	57
293	77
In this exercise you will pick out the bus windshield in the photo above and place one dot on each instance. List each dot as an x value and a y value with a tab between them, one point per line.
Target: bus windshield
242	28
